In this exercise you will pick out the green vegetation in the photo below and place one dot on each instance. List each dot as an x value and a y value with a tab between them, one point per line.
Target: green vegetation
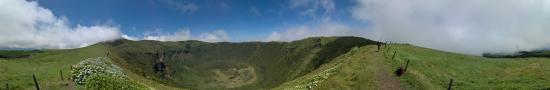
100	73
311	80
318	78
428	70
46	66
94	66
249	65
431	69
332	63
360	68
18	53
108	82
521	54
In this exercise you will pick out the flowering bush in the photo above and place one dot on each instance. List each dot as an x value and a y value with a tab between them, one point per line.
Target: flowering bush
317	79
91	66
100	73
106	82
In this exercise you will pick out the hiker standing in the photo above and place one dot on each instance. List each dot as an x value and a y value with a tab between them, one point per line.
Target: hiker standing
378	44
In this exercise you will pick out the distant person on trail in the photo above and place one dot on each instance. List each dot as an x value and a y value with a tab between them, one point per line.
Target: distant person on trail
378	44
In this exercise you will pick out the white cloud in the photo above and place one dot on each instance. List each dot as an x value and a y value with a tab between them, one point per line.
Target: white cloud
322	25
255	11
187	7
327	5
312	7
129	37
185	34
181	35
315	30
184	7
215	36
466	26
25	24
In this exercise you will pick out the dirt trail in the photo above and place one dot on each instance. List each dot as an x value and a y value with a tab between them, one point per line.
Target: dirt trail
386	80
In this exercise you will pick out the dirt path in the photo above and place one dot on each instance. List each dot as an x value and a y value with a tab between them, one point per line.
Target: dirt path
386	80
362	69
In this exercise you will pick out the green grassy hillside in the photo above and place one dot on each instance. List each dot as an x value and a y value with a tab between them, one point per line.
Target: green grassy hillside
249	65
431	69
365	68
17	53
17	72
331	63
47	64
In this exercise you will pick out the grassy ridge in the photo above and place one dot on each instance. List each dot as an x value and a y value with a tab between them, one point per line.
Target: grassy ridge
360	68
273	62
46	65
192	64
431	69
317	63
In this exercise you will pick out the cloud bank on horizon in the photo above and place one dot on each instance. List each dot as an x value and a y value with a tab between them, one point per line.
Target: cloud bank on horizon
465	26
25	24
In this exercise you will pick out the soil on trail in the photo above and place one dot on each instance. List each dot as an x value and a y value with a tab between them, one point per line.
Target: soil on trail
386	80
364	69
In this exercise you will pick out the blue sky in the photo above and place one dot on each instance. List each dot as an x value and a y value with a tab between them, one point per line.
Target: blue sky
242	19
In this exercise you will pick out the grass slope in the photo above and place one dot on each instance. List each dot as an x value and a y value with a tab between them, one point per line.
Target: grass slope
431	69
17	72
46	65
249	65
360	68
332	63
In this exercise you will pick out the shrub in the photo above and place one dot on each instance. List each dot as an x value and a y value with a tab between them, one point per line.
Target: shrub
317	79
106	82
91	66
100	74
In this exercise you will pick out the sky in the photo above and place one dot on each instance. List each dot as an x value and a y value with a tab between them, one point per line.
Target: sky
463	26
243	20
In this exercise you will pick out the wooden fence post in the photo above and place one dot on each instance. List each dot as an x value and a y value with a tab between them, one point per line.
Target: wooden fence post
35	82
388	48
393	57
450	84
406	65
61	74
